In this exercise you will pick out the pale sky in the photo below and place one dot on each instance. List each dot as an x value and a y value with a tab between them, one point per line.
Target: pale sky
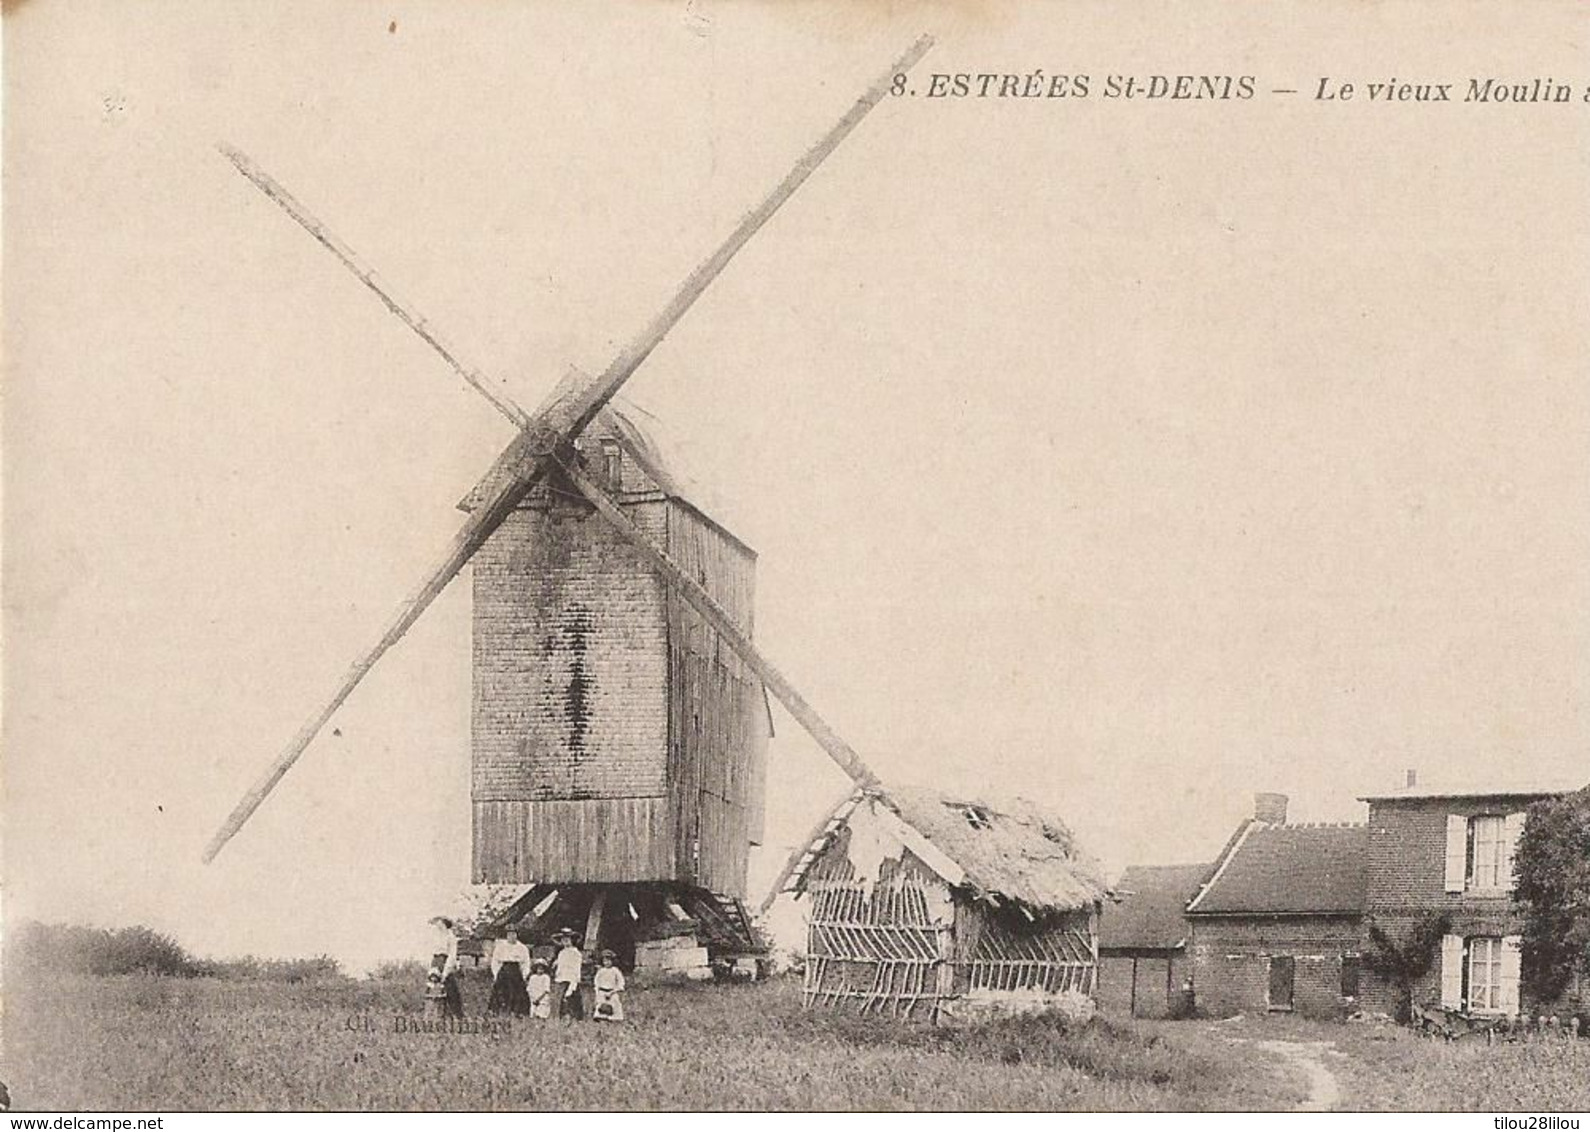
1130	456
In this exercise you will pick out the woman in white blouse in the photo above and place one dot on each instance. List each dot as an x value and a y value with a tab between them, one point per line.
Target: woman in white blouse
443	975
510	968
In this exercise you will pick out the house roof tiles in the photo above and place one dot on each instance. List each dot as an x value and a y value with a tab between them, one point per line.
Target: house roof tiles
1289	870
1153	900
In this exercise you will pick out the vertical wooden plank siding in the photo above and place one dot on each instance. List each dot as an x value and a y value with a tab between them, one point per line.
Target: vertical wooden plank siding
717	718
606	839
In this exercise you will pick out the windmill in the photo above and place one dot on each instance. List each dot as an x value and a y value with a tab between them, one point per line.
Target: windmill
544	816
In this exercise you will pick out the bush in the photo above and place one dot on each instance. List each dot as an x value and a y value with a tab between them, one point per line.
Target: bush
140	950
35	948
317	969
98	951
1553	886
1404	961
410	972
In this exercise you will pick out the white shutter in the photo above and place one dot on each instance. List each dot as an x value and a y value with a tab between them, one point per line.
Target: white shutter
1512	830
1457	851
1511	956
1452	971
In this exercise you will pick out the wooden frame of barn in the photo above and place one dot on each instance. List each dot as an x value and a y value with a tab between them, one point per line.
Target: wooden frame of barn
921	903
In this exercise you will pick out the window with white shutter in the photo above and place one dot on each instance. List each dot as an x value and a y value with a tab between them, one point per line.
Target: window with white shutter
1452	971
1512	956
1512	831
1457	848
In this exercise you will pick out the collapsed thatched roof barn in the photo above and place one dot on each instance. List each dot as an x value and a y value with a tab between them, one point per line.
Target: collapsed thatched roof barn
919	900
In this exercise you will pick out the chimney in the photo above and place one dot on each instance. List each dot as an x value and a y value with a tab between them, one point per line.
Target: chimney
1270	808
1413	778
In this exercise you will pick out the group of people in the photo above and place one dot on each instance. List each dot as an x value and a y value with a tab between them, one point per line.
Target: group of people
524	985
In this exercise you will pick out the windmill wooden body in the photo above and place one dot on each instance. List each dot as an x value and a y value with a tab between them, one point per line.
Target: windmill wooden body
615	740
620	722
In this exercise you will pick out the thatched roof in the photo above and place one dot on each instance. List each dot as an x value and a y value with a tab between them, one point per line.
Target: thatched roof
998	849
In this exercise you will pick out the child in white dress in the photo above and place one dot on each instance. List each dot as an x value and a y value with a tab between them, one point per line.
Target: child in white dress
539	986
609	986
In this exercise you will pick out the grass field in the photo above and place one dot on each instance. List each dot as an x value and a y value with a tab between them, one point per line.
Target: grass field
154	1042
146	1042
1383	1068
1388	1068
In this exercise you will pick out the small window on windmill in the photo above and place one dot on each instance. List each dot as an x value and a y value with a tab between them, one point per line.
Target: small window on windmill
612	465
977	817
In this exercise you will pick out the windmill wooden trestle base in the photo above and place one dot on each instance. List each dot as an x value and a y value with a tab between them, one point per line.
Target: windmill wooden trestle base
655	930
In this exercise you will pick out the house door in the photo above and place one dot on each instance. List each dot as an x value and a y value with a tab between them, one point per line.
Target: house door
1282	969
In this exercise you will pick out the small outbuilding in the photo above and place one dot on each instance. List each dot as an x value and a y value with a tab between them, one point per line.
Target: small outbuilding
1278	926
922	903
1144	966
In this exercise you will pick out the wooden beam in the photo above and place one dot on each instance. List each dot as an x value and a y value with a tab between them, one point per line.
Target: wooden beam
618	371
517	910
476	529
704	603
928	853
593	920
810	847
561	418
574	406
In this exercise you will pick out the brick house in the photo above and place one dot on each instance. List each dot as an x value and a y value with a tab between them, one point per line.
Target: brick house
1143	940
1278	924
1435	851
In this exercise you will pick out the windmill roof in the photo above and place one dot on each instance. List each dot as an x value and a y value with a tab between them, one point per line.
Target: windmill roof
1289	870
1005	848
1151	906
647	441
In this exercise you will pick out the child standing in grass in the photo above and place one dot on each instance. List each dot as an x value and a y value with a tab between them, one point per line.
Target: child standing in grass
539	986
609	986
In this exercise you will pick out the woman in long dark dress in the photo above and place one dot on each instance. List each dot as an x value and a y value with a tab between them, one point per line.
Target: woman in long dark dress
510	967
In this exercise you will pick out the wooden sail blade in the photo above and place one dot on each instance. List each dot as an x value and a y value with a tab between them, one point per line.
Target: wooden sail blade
703	603
366	275
579	410
479	526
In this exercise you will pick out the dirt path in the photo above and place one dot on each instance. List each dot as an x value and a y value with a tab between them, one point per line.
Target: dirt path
1324	1094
